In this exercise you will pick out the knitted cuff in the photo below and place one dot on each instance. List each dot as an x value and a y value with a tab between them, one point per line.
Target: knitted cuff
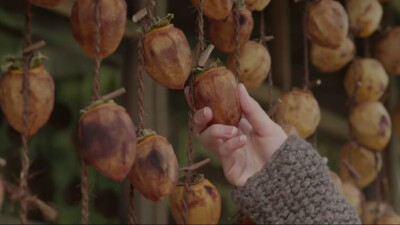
294	187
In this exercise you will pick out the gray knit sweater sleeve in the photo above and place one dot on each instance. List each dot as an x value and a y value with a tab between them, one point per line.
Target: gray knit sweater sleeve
294	187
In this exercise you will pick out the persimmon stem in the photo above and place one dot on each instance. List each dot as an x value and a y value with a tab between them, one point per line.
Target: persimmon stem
34	47
3	162
139	15
351	169
113	94
205	55
195	166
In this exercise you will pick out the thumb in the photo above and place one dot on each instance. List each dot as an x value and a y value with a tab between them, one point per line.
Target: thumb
253	112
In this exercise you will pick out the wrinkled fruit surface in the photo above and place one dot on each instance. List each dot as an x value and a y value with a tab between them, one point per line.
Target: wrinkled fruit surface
112	25
258	5
371	125
365	16
222	32
155	171
167	56
353	196
362	160
107	139
41	98
46	3
300	109
204	203
216	10
332	60
388	51
371	76
371	209
327	23
396	121
217	89
255	64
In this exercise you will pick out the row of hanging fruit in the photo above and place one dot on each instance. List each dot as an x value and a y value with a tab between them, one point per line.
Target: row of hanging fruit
117	149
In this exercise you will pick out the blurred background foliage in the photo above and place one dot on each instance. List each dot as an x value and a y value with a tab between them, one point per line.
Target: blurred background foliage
55	169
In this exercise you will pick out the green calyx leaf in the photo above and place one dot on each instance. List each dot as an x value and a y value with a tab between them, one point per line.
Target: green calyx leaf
17	62
162	22
240	4
194	179
198	71
94	104
145	133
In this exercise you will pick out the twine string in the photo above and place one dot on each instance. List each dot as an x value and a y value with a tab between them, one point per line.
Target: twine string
24	136
305	43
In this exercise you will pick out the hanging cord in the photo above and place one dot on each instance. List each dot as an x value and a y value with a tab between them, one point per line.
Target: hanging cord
24	137
305	43
95	96
236	17
190	153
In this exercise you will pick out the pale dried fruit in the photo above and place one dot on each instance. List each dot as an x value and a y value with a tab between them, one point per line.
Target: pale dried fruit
217	89
41	98
336	179
371	79
155	171
222	32
107	139
388	51
204	202
332	60
300	109
362	160
216	10
353	195
167	56
257	5
255	64
365	16
47	3
327	23
112	25
371	125
396	121
375	209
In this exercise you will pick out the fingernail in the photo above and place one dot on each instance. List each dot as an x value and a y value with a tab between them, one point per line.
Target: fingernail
242	138
233	131
204	112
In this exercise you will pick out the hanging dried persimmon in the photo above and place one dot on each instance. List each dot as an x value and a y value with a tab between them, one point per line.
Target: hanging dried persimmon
107	139
155	171
41	94
112	25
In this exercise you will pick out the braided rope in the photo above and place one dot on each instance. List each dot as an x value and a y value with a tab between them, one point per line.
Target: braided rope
24	136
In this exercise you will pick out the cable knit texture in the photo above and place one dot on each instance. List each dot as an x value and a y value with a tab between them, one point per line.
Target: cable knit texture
294	187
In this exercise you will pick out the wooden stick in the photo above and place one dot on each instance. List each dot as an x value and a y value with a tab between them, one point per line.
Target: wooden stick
34	47
113	94
139	15
3	162
195	166
205	55
351	169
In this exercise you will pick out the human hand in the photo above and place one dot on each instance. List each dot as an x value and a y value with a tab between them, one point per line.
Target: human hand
245	149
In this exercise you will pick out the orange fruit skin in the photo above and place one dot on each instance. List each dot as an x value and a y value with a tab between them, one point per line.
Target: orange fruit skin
167	56
204	203
107	140
112	25
41	98
217	89
155	171
222	32
216	10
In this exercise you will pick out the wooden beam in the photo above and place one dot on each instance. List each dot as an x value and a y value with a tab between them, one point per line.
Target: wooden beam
66	7
331	123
